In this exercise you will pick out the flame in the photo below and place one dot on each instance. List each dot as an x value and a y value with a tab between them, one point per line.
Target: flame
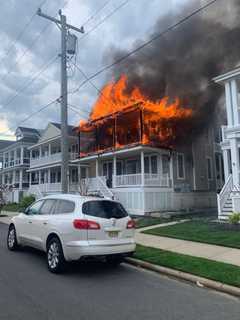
115	100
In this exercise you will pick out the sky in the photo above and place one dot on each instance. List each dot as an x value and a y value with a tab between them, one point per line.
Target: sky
30	65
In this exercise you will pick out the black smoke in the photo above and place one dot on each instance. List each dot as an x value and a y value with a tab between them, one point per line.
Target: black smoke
183	62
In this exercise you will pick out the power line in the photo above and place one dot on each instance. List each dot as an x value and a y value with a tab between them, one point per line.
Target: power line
31	115
105	18
35	40
31	81
145	44
21	33
96	13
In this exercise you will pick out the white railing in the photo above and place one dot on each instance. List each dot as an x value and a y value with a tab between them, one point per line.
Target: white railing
128	180
150	179
224	194
56	157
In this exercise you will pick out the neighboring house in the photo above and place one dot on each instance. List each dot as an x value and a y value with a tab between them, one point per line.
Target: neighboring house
45	161
15	162
228	199
147	178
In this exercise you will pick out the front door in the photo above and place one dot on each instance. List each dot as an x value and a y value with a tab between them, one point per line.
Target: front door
108	172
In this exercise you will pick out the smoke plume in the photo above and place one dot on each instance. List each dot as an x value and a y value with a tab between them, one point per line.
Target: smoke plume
183	62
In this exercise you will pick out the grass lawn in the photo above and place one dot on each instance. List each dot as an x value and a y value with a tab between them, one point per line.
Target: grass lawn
149	221
200	231
213	270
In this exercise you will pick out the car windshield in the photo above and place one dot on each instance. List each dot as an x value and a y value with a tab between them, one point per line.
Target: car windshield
104	209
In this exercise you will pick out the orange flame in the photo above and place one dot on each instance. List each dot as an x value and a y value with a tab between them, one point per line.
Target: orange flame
116	99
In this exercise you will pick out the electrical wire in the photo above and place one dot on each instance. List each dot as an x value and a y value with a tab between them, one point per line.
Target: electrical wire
45	67
96	13
30	116
145	44
105	18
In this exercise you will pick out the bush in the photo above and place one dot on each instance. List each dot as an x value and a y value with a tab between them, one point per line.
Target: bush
234	218
26	201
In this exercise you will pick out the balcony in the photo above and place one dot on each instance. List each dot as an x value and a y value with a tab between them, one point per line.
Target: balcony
17	162
50	159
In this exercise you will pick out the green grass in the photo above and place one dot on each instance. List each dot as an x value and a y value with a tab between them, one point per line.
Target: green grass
149	221
200	231
14	207
218	271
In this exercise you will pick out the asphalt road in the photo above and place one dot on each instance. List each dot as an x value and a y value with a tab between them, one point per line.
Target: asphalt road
94	291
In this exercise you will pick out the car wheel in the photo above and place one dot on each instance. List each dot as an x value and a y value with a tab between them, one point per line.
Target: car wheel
55	257
12	243
114	261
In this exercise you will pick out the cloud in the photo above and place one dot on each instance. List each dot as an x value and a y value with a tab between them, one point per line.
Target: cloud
133	21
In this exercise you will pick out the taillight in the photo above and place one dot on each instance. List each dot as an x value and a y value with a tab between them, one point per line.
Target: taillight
131	224
85	224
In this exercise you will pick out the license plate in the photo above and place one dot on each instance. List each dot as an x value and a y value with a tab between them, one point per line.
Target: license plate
113	234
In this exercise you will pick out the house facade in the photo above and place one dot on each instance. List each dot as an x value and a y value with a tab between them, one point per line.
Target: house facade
15	161
147	179
45	162
228	199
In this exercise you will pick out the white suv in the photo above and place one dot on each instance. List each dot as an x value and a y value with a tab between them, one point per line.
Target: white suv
69	227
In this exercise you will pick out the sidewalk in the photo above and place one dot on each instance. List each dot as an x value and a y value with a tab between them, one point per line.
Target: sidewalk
196	249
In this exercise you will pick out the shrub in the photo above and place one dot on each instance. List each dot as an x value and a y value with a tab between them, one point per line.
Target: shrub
26	201
234	218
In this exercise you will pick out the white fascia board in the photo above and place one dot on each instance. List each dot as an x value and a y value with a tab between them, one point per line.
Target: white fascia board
227	76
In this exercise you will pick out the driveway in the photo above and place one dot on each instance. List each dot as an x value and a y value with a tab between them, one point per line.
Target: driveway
90	291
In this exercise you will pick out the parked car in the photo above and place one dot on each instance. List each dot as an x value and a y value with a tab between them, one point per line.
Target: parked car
70	227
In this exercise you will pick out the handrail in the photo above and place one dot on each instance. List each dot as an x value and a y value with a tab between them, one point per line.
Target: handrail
229	180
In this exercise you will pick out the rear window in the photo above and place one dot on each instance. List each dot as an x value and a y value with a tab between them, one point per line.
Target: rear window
64	206
104	209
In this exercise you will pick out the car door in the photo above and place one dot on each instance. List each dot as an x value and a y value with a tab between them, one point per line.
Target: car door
40	223
24	223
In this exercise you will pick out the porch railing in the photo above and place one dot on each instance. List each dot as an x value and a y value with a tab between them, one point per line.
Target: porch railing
224	194
150	179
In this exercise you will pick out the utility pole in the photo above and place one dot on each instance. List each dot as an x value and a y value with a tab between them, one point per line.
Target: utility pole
64	27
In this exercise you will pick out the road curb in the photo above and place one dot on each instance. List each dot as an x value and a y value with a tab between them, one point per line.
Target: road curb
201	282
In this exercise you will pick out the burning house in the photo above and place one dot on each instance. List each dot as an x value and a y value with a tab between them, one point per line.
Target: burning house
132	150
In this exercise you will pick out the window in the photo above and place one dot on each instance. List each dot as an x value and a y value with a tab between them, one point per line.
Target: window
209	169
165	165
47	206
34	209
64	206
151	164
119	168
104	209
83	173
74	175
132	166
180	166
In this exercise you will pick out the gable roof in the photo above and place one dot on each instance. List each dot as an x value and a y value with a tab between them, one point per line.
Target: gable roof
70	128
29	130
5	143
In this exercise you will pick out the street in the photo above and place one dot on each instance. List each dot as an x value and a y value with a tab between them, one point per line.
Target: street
94	291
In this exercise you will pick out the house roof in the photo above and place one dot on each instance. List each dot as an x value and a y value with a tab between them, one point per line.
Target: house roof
5	144
228	75
29	130
70	128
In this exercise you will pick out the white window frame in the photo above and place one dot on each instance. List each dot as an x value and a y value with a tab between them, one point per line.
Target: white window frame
211	166
184	172
149	156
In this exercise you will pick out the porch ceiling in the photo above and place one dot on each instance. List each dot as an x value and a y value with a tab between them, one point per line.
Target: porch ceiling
122	153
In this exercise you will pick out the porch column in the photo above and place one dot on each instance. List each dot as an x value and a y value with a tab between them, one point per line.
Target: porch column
97	167
49	149
225	164
14	177
22	155
79	173
49	175
234	91
235	161
40	152
142	169
114	171
39	177
20	179
30	179
229	104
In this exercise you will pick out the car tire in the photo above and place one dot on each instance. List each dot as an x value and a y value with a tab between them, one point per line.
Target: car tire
12	243
55	257
114	261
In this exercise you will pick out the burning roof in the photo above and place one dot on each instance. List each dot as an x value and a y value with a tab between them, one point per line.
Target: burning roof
121	118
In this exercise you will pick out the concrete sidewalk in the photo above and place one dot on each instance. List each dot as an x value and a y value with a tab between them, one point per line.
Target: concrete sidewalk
203	250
